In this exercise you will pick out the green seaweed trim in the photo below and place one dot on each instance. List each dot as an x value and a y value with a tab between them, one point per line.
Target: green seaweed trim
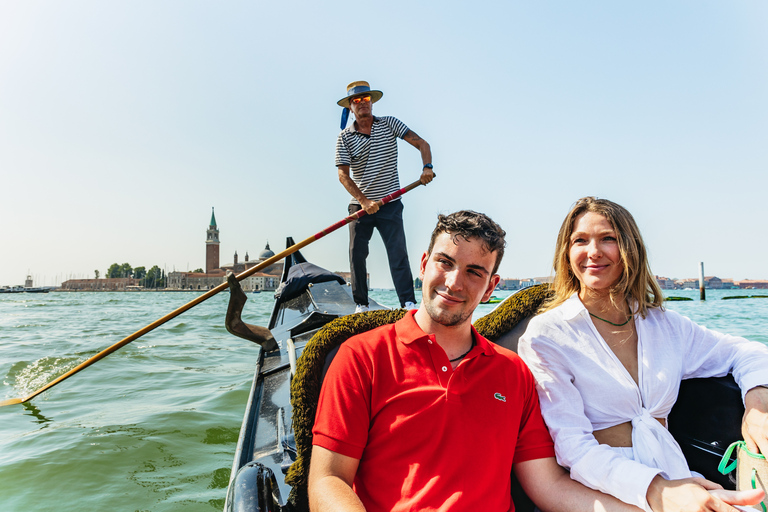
746	297
305	388
673	299
509	313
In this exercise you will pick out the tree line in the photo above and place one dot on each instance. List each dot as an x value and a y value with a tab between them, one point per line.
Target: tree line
152	278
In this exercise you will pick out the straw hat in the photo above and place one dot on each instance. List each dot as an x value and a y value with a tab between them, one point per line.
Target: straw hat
356	89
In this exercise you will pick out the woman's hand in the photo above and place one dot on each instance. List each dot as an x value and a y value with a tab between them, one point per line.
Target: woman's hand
754	426
696	495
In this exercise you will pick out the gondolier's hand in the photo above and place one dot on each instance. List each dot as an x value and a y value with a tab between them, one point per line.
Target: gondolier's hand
427	175
754	426
369	206
696	495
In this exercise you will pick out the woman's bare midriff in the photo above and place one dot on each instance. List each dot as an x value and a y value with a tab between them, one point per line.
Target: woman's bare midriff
619	436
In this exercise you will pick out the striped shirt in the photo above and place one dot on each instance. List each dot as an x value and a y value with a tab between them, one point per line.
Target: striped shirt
372	159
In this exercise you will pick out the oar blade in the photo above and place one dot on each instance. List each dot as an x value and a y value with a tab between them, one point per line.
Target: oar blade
12	401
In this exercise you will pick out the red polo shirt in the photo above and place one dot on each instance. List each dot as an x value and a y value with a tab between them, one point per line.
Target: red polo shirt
428	437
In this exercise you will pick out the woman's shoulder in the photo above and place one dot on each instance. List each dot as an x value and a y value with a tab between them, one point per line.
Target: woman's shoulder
558	315
550	317
548	328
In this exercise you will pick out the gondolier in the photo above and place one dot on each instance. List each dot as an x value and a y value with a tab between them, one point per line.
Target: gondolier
366	159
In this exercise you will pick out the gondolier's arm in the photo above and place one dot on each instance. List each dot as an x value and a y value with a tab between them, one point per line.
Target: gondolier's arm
369	206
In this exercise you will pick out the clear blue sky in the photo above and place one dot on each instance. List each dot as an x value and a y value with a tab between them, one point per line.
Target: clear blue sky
123	123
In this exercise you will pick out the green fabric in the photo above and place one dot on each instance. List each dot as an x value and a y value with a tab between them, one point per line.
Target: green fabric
305	388
514	309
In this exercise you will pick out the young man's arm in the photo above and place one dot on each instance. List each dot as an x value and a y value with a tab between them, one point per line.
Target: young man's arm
552	489
330	482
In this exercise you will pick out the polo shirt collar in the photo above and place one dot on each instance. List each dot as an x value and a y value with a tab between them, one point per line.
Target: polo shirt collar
353	127
408	331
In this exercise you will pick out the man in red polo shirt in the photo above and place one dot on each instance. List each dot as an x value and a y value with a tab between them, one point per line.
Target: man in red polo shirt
426	414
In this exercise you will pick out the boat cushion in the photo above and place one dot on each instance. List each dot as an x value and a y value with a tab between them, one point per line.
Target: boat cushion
305	388
507	322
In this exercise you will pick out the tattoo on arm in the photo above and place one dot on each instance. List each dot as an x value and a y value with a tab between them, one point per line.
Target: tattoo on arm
412	137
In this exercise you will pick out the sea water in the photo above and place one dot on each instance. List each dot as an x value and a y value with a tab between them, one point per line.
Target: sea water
154	426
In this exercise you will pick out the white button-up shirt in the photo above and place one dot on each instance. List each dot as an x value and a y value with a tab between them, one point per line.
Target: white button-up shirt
583	387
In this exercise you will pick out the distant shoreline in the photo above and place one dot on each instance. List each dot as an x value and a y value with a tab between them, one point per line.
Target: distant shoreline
152	290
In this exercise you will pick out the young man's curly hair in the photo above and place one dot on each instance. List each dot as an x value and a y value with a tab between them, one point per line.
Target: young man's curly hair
468	224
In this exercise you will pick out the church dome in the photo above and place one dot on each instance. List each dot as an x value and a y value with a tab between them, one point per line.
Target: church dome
266	253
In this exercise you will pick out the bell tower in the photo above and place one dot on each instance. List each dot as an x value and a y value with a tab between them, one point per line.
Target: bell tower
212	246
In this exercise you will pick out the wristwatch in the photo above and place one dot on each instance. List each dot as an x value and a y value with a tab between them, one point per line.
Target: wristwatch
427	166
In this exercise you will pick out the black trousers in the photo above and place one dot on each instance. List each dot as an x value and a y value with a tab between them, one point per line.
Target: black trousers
389	221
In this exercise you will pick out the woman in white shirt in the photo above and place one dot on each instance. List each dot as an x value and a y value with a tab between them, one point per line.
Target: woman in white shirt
608	360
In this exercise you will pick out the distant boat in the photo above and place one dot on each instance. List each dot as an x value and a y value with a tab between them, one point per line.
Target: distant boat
27	288
493	300
23	289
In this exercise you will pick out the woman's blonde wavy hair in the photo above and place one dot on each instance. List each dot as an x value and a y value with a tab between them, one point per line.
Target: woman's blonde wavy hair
636	282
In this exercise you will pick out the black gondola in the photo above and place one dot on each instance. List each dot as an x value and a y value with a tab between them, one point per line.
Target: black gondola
705	420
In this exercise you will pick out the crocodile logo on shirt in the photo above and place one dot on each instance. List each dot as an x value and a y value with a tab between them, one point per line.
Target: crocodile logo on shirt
500	397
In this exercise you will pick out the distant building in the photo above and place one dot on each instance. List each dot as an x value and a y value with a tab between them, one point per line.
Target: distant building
348	279
519	284
687	284
215	274
753	284
509	284
237	266
710	283
260	282
713	283
665	283
212	246
195	280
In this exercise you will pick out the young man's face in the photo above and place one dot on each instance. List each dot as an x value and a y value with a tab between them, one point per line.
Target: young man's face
456	277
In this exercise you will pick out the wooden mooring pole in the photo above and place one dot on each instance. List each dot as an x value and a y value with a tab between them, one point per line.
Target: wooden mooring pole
701	281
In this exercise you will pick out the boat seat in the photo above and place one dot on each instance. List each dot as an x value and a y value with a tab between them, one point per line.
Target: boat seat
507	322
503	326
305	388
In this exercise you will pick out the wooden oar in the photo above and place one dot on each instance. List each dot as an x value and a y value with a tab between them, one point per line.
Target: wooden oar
210	293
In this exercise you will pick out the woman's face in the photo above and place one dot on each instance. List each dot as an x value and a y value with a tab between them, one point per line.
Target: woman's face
594	252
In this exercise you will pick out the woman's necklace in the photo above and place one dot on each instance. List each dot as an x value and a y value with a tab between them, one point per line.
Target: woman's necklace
606	321
465	353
